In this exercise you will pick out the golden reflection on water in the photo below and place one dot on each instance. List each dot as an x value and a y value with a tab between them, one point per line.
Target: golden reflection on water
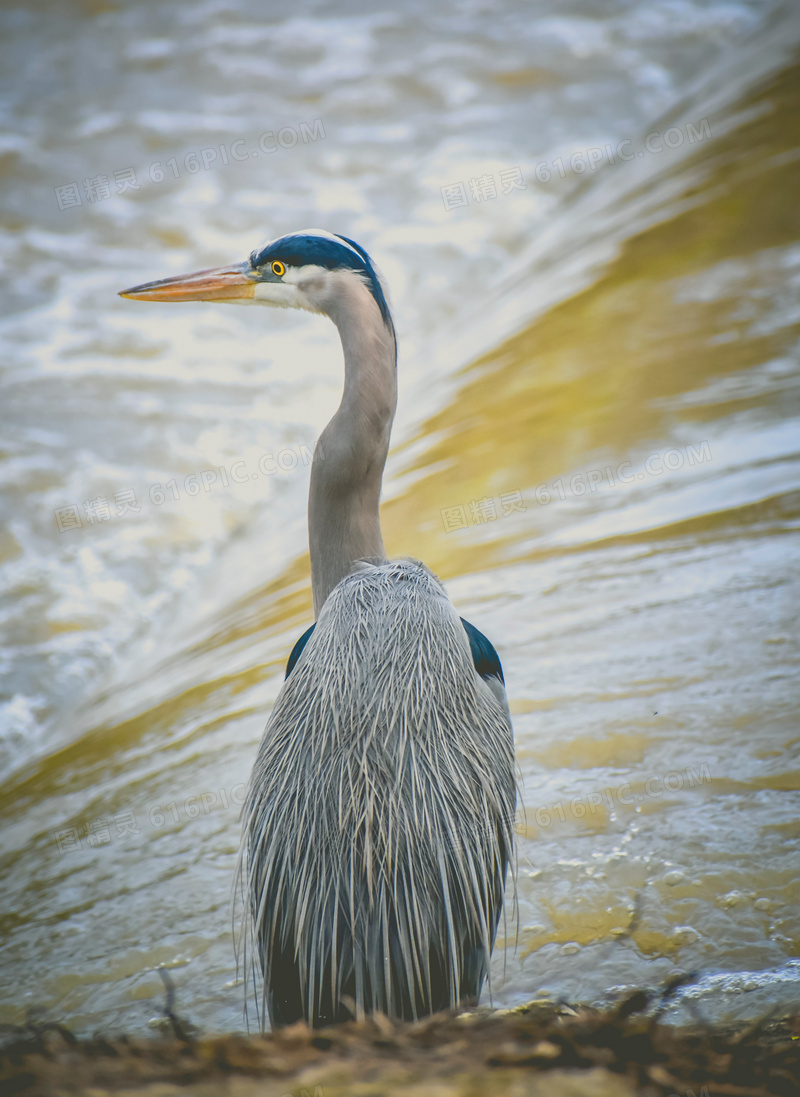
593	379
637	363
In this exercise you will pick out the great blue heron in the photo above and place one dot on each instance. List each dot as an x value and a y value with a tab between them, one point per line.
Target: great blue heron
378	824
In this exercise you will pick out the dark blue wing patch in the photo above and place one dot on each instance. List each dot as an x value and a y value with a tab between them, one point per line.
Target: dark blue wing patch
485	658
297	650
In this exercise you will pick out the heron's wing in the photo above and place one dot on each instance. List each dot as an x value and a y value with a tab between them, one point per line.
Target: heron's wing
297	650
486	660
484	656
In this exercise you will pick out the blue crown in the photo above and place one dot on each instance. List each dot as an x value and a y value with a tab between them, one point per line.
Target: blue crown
319	248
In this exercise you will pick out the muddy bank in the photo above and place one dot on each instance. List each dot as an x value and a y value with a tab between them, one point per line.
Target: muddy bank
552	1050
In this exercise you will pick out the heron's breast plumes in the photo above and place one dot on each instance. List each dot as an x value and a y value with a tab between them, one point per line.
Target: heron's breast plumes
379	819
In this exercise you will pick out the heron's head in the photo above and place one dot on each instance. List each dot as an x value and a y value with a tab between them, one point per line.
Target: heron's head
312	270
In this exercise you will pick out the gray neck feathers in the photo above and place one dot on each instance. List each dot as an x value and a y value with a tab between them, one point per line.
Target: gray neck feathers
343	503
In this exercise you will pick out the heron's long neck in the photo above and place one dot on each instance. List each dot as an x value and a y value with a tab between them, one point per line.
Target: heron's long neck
343	520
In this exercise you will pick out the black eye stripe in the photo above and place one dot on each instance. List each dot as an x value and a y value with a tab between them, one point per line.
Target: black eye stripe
336	253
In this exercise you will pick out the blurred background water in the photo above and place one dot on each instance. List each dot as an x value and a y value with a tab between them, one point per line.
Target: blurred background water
587	213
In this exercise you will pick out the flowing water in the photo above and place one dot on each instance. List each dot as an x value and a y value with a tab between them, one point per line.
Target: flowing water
587	213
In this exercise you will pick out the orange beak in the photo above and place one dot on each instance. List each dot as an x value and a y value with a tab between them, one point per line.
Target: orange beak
223	284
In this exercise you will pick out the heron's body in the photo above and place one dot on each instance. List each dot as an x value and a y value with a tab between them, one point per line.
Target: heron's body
378	838
378	824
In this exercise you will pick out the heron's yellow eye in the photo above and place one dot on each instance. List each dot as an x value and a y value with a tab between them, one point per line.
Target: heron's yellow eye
278	268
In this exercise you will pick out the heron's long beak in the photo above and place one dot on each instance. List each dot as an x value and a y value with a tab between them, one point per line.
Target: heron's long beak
222	284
